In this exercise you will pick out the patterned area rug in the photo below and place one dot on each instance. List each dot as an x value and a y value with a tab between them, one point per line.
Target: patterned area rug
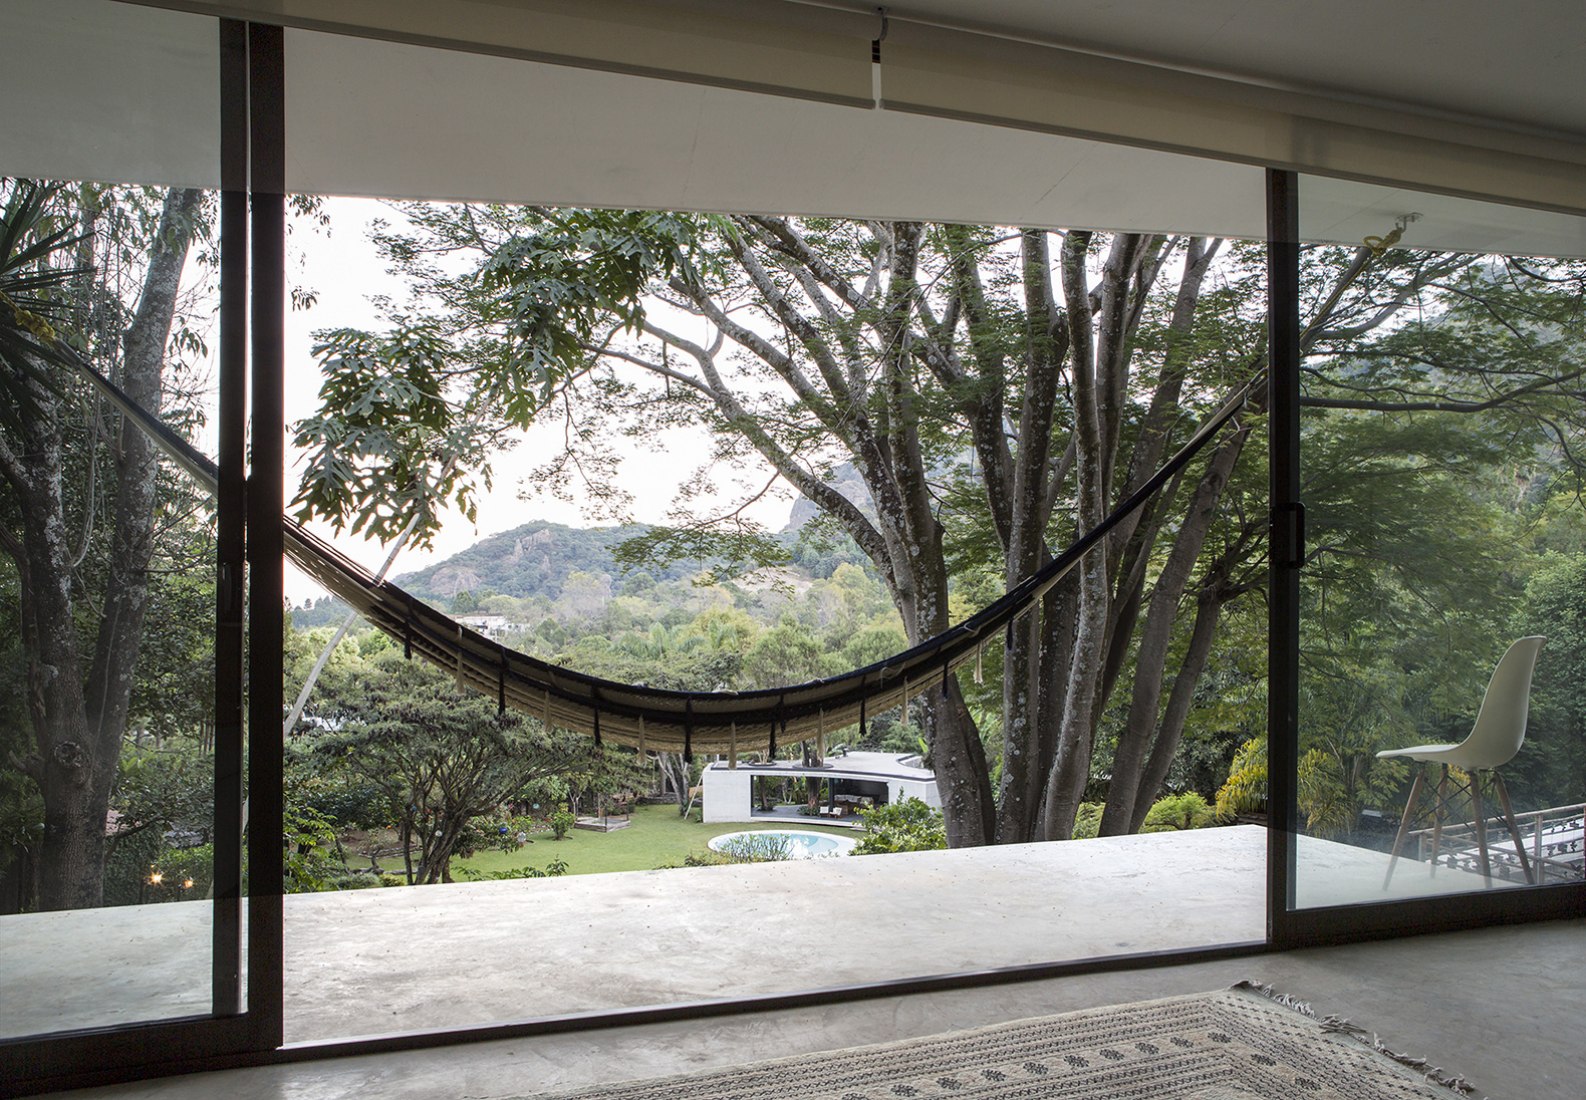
1236	1044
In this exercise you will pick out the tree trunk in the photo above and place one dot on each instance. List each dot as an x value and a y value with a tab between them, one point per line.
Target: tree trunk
79	722
677	773
1024	550
71	852
1066	783
1171	728
1134	741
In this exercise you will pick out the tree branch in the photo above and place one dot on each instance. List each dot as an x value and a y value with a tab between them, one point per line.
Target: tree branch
1440	406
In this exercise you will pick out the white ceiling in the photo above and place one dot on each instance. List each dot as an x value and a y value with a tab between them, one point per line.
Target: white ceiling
1519	62
554	134
136	89
557	134
373	117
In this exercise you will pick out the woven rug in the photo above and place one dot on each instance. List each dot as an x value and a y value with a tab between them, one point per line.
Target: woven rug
1236	1044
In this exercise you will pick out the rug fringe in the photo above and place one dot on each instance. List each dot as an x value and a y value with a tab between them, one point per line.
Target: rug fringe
1338	1025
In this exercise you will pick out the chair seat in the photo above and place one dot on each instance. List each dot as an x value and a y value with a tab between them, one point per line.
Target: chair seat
1446	754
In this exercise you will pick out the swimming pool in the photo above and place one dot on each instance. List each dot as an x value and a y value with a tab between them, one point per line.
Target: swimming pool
799	843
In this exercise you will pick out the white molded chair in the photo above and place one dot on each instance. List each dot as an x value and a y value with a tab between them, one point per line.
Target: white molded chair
1493	741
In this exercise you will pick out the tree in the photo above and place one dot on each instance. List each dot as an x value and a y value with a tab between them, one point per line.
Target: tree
1551	770
64	251
1002	388
440	755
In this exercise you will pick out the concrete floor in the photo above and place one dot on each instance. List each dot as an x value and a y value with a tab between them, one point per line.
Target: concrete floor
1503	1006
379	961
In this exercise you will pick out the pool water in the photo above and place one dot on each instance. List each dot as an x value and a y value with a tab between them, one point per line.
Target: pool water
801	844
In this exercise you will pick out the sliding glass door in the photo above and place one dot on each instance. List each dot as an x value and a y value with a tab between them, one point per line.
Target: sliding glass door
1440	431
123	274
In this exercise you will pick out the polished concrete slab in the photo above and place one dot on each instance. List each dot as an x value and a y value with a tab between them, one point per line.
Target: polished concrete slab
1503	1006
372	962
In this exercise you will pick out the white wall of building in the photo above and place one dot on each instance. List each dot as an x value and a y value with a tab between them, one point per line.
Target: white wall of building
729	792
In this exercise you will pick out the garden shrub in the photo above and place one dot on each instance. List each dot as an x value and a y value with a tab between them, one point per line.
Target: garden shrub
757	848
908	825
562	822
1087	822
554	869
1178	811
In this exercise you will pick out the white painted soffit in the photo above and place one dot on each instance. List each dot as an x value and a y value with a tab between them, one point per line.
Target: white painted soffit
412	123
561	135
380	118
1012	64
96	90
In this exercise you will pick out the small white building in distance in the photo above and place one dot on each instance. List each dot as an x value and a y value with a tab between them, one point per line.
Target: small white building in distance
491	626
837	791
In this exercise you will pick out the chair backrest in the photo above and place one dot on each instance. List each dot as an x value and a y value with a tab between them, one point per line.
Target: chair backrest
1500	724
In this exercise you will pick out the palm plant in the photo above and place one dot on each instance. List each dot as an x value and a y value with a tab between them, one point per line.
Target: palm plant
32	309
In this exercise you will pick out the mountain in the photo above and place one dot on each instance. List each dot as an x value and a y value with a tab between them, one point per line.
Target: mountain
536	558
532	560
846	480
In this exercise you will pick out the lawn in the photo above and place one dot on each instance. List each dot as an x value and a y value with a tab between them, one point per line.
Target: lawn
657	837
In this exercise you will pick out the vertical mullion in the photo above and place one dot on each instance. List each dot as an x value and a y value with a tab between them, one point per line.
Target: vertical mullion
231	500
265	504
1287	551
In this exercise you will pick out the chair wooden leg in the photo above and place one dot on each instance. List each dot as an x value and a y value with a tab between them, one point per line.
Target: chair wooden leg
1514	827
1438	814
1404	823
1481	825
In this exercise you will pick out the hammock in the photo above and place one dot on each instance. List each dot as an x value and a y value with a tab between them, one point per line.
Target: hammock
654	718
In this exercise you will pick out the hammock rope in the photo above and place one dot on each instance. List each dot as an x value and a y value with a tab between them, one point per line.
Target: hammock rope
657	719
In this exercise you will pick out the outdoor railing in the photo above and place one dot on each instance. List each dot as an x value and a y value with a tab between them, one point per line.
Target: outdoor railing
1552	838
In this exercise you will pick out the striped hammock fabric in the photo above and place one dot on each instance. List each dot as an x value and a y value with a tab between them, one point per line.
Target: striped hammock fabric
648	718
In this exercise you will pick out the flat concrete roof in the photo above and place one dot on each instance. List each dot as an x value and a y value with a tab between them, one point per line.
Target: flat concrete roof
377	961
858	765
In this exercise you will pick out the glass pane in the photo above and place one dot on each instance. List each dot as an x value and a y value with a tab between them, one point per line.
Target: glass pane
1443	466
107	558
615	878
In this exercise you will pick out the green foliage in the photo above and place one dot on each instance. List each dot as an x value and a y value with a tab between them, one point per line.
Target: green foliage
387	448
1421	549
159	793
1087	821
908	825
337	794
439	756
1245	789
408	416
174	693
33	308
313	855
721	555
554	869
1178	811
785	654
762	847
534	560
1402	601
562	822
1551	767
